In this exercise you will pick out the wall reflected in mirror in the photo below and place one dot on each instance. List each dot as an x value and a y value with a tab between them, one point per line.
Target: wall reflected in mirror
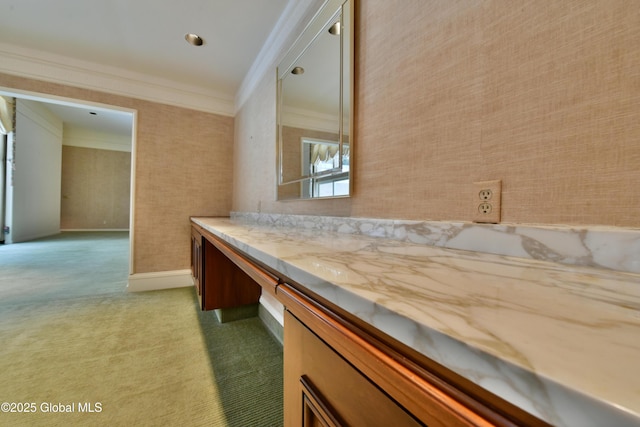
314	108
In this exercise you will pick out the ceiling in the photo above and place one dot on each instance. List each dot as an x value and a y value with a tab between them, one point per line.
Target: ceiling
99	120
147	37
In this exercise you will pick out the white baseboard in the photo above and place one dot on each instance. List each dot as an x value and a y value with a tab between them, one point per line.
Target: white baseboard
93	229
159	280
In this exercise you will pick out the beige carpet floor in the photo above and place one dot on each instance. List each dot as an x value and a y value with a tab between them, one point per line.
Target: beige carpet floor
135	359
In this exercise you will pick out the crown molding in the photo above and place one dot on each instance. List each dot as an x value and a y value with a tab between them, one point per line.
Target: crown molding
59	69
87	138
309	119
274	46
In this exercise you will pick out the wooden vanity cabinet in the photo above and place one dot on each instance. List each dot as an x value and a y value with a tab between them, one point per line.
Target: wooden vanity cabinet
321	388
333	373
338	370
219	281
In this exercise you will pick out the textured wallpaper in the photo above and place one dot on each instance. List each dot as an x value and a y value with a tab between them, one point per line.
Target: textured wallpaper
183	167
541	95
95	189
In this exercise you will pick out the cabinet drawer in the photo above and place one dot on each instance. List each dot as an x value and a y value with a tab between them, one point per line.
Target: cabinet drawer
321	388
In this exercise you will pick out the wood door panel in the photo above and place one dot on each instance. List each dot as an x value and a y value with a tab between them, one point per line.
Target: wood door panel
349	398
315	412
196	262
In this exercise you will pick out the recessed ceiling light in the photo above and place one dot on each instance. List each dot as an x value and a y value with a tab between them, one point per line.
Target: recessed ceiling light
297	70
194	39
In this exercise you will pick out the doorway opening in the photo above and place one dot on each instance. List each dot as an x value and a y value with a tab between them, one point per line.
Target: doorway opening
99	134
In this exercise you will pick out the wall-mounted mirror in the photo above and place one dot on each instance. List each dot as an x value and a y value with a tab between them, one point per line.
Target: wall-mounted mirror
314	107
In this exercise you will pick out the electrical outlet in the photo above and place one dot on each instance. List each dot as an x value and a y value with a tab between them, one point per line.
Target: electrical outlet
485	208
487	198
485	194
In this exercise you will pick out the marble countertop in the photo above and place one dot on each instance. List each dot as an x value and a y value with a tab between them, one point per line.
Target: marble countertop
562	342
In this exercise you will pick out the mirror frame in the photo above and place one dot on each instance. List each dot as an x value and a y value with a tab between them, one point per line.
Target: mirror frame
318	24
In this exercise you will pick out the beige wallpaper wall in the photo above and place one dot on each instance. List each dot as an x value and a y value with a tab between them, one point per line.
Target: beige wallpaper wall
183	168
95	189
542	95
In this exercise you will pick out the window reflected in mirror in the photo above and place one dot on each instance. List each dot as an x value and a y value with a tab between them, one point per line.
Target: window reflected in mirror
328	166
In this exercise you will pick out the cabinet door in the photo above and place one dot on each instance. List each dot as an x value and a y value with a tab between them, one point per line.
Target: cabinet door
315	412
196	262
323	389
